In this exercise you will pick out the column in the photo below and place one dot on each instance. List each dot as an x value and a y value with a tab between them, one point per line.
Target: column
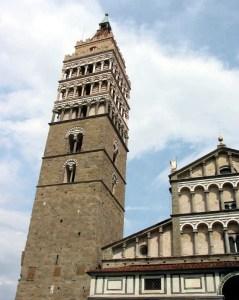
210	241
192	201
108	85
136	247
93	67
226	241
70	73
123	250
216	164
91	87
221	202
70	113
149	244
53	116
97	107
88	110
66	95
102	65
195	250
111	63
75	90
82	90
86	69
79	112
160	242
100	84
106	106
203	168
62	115
206	193
78	72
230	162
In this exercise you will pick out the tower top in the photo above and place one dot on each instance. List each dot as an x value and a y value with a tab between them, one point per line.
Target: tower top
221	142
105	22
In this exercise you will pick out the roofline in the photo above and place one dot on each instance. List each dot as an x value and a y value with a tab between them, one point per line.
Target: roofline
220	149
137	233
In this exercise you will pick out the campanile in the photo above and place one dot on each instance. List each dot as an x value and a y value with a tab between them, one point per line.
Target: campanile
79	203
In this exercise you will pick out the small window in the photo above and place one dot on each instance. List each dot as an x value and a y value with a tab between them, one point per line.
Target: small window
115	151
225	170
143	250
70	171
75	142
152	283
83	113
31	273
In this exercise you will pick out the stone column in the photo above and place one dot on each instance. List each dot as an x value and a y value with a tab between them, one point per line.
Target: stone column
210	242
226	241
123	250
88	110
216	164
91	87
100	84
206	198
70	73
192	202
149	254
62	115
195	248
66	94
53	116
203	168
70	113
79	112
137	247
86	69
230	162
221	202
111	63
94	64
160	242
82	90
78	72
75	90
102	65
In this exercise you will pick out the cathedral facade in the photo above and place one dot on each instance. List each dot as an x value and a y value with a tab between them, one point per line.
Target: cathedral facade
75	249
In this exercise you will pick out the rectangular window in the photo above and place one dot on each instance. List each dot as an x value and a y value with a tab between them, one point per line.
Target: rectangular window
152	283
31	273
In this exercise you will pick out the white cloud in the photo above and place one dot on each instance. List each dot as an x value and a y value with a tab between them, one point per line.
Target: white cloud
177	94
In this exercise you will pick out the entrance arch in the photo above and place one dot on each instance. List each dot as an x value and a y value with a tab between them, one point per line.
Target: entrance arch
230	286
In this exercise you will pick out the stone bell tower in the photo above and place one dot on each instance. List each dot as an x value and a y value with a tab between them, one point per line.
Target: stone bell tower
79	204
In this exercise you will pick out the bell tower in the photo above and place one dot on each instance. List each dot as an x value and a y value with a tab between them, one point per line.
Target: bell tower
79	203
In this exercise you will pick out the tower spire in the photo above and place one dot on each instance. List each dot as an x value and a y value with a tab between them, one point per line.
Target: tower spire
105	24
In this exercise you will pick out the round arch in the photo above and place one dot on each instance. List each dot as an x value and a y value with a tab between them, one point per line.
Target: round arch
229	286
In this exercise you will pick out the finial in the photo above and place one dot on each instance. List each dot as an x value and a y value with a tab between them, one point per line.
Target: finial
173	165
106	18
105	24
221	141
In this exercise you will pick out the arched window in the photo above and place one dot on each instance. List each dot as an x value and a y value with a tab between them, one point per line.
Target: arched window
225	170
75	142
70	171
115	151
74	139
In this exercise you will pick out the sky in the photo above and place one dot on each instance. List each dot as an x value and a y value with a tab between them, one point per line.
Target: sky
182	58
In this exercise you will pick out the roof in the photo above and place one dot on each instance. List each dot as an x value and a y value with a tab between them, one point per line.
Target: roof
137	233
169	267
217	150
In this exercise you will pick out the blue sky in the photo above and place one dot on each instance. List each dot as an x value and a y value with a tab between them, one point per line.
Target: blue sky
183	61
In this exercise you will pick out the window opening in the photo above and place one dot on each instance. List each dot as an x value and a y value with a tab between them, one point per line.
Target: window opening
225	170
70	172
82	70
115	151
57	260
152	283
83	111
87	89
143	250
90	68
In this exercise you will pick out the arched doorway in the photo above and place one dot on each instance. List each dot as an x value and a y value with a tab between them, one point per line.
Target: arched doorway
230	289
